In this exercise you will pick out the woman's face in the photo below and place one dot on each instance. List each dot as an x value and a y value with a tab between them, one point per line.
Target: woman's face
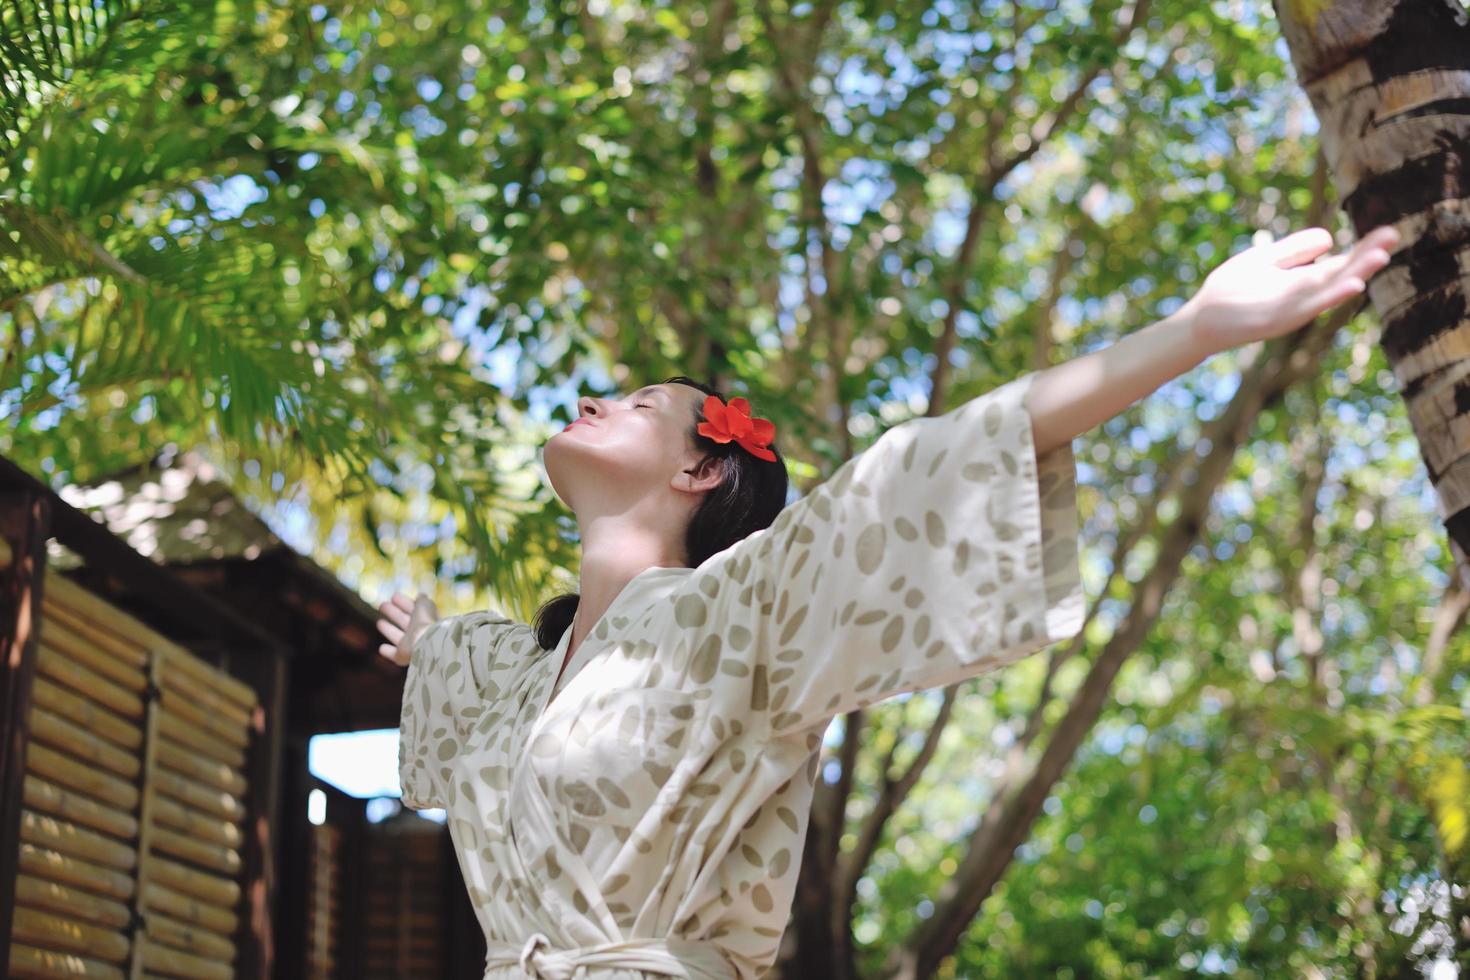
619	452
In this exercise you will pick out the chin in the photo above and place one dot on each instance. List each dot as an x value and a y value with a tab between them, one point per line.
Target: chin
549	457
565	472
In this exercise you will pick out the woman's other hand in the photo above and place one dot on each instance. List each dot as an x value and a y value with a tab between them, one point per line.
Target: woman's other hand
1277	287
404	621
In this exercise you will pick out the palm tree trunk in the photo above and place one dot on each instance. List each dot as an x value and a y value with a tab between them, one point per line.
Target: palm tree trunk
1390	83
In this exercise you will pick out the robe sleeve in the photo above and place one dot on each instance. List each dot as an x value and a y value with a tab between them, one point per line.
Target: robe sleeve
442	695
944	550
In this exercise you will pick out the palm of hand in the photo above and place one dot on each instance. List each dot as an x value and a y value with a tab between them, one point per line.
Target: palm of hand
404	621
1275	288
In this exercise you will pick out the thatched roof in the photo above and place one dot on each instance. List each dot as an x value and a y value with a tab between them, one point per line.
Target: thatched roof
178	512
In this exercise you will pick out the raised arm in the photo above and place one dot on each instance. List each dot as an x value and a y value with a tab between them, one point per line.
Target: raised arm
1265	291
946	548
949	546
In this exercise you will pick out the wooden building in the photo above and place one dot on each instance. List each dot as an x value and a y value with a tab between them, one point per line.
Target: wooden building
166	661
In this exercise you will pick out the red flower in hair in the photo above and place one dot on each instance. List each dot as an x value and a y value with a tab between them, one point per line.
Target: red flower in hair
733	422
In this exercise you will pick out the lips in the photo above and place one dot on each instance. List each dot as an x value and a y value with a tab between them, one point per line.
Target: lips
578	422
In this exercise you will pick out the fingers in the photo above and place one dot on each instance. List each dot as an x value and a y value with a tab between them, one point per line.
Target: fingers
1326	269
1305	245
393	615
1371	254
1348	272
1368	264
1298	247
398	613
394	634
1386	237
398	609
1341	289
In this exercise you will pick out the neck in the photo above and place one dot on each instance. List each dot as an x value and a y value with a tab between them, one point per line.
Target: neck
614	550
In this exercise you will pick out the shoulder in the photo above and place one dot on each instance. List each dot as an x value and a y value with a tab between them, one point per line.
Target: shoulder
479	617
478	630
484	641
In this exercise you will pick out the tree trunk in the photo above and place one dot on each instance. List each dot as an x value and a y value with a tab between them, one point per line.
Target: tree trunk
1390	83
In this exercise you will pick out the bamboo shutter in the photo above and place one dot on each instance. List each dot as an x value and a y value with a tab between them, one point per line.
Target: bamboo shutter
323	910
131	830
406	899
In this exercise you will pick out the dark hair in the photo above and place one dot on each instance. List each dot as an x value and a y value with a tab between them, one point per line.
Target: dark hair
748	498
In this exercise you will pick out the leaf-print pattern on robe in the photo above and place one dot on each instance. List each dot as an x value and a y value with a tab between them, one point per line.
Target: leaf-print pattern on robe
663	788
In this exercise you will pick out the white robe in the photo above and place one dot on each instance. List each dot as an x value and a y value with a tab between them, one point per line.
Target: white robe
661	792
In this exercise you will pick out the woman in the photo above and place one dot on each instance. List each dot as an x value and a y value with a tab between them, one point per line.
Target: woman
633	800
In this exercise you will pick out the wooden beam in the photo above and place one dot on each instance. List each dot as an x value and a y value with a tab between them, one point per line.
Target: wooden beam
257	937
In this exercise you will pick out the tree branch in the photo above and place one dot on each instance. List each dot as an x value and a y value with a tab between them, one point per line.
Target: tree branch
891	795
824	308
983	193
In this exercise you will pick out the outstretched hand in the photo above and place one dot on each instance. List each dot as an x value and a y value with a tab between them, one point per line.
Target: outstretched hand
1277	287
404	621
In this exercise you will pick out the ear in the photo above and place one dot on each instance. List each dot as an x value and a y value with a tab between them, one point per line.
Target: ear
700	475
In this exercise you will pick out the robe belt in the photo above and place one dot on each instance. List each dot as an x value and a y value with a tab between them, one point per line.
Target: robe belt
695	960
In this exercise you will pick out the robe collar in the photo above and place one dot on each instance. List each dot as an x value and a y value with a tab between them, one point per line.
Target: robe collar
646	586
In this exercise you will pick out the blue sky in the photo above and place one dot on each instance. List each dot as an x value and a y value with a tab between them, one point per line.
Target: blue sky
361	764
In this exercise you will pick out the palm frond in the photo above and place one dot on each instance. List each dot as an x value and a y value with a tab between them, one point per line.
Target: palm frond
36	241
48	47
